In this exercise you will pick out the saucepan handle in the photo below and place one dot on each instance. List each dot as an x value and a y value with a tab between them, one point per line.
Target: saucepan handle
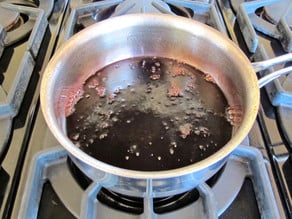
259	66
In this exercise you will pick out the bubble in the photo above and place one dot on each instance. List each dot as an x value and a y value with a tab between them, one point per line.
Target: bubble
115	119
171	151
173	144
127	157
154	76
201	147
75	136
132	148
137	154
91	140
102	136
157	64
197	132
101	91
209	111
148	90
143	63
103	125
233	114
117	91
188	113
158	158
185	130
164	123
132	90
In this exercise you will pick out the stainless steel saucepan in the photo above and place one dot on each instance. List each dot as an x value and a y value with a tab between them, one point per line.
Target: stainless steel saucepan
166	36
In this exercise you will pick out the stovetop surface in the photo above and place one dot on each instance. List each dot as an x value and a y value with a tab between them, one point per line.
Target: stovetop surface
27	131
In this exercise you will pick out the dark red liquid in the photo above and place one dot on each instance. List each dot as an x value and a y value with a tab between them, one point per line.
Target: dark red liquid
149	114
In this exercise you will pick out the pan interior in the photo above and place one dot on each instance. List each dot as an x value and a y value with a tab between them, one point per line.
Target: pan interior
149	114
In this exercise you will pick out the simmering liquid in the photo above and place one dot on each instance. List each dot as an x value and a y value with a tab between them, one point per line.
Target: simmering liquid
149	114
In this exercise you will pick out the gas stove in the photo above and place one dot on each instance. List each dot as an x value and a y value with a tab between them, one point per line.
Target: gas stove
37	178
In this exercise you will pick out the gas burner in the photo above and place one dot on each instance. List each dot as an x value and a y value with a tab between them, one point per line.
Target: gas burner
161	205
126	8
249	21
20	23
9	19
46	5
274	12
134	205
84	15
156	6
18	17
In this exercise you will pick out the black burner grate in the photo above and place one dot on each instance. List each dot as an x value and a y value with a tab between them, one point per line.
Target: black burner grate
135	205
